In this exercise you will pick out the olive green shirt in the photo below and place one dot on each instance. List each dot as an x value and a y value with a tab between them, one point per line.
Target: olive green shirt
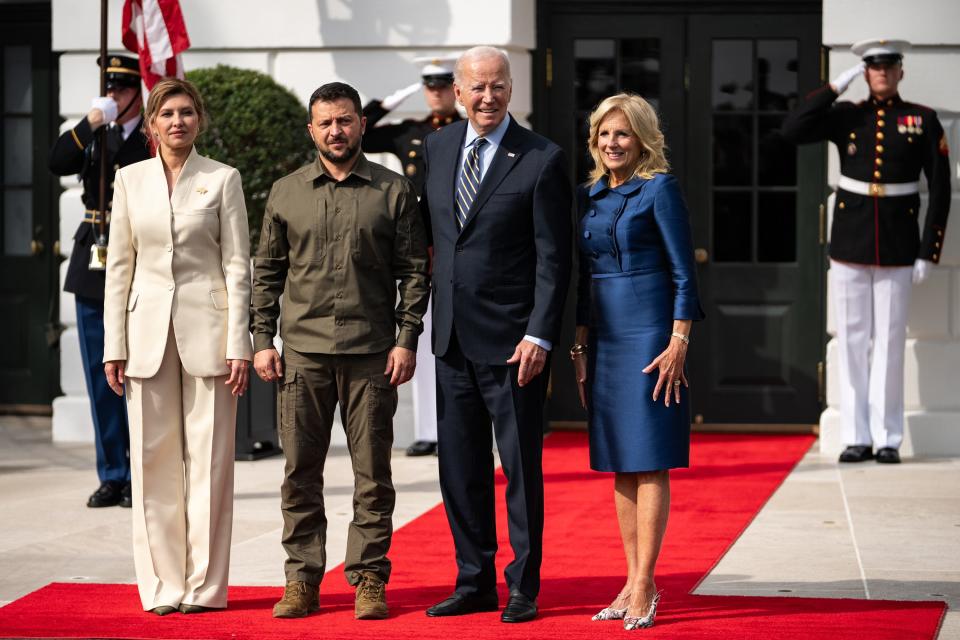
336	251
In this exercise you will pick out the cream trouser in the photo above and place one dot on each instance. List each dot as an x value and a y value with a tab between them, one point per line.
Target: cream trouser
870	303
425	385
181	457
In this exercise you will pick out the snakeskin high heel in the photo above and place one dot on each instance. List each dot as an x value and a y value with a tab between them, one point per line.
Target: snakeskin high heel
611	612
631	623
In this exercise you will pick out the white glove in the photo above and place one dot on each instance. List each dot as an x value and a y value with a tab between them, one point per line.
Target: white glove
106	106
393	100
842	81
921	271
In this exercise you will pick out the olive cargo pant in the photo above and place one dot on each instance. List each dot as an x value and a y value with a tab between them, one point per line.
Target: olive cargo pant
313	385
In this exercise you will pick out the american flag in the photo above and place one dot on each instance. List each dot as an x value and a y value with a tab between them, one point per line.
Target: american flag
156	32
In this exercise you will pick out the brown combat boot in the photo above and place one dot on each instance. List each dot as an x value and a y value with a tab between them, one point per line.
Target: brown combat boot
299	599
371	599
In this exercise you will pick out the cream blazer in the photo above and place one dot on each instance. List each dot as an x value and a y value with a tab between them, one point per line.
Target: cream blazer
185	257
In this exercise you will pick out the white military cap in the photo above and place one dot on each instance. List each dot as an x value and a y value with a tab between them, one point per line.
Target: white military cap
880	50
437	70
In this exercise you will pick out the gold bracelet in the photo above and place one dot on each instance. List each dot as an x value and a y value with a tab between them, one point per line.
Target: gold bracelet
682	338
577	350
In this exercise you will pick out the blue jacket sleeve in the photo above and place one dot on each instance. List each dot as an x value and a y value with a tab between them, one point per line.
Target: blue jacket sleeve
670	212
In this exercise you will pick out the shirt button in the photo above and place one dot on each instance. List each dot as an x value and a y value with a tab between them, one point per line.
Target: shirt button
339	323
336	237
337	266
586	234
593	212
168	248
339	294
170	287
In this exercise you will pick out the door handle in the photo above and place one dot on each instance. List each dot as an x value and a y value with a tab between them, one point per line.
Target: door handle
36	247
701	255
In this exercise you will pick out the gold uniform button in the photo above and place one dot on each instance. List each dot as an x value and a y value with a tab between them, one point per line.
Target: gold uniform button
879	161
876	174
879	148
936	245
853	136
881	113
940	233
412	154
880	123
935	257
842	205
910	211
909	139
879	135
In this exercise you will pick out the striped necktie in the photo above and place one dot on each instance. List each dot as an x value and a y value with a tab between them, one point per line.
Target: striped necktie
469	182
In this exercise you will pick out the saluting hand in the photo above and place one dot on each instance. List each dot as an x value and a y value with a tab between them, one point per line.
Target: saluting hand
531	357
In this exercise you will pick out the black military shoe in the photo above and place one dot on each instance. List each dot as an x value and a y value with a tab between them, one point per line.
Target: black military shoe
460	604
108	495
422	448
126	499
857	453
519	608
888	455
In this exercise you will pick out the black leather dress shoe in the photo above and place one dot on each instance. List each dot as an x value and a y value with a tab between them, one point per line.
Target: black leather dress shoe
857	453
519	608
422	448
460	604
126	498
888	455
108	495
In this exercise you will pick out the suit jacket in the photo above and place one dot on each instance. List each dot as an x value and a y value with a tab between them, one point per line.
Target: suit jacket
186	257
77	151
505	275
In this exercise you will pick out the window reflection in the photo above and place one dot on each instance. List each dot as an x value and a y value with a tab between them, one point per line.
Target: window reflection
732	75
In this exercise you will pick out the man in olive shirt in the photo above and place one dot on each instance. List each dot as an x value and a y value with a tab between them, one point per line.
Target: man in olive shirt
337	236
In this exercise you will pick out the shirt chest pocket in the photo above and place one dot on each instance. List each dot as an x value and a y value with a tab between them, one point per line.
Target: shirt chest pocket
372	234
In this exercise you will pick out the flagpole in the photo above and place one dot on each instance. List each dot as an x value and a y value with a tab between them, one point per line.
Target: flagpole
103	128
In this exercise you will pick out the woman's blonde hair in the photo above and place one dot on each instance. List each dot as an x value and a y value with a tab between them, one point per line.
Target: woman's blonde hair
166	89
644	125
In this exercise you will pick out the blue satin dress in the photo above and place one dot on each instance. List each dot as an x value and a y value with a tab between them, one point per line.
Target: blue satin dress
637	276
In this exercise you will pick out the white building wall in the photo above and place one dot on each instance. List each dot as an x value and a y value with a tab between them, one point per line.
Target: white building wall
301	44
933	343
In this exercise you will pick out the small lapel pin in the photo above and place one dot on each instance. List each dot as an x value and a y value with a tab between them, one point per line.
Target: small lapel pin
201	190
511	154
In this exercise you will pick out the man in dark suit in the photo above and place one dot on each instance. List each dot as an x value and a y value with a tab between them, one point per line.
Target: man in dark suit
499	200
77	151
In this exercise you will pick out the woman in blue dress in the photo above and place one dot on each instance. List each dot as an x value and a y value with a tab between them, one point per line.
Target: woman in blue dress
637	299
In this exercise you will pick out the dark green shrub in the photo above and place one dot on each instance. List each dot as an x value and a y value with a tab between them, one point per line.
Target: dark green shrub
257	126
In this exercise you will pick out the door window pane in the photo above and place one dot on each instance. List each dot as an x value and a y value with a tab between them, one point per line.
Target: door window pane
776	227
17	221
777	165
777	74
640	68
17	81
732	226
595	75
732	74
17	150
732	150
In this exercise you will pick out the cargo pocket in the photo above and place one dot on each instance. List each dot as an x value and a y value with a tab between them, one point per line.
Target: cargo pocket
289	393
381	407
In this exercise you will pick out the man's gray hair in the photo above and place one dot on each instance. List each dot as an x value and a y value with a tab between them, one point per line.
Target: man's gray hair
483	52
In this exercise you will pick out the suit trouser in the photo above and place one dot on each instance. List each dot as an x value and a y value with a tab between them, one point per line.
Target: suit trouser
313	385
182	439
425	386
469	394
870	303
111	435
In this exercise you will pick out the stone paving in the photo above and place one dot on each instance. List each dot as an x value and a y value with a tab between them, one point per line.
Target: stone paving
853	531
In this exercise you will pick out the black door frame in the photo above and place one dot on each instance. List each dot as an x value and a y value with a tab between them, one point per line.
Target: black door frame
33	388
563	407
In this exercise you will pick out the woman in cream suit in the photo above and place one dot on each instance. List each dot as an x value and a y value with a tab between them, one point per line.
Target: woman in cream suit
176	339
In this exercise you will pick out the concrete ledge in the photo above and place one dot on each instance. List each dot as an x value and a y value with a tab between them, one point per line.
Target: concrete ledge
926	433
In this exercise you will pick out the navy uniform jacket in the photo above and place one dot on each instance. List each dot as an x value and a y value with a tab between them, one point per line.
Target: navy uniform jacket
505	275
77	151
404	139
883	142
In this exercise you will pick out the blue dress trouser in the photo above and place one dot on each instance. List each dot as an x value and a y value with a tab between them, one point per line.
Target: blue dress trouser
109	410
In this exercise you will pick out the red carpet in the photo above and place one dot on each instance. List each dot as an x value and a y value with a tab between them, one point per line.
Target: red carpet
731	478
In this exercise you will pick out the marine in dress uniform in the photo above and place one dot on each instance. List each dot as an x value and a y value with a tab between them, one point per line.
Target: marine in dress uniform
77	151
877	247
405	140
